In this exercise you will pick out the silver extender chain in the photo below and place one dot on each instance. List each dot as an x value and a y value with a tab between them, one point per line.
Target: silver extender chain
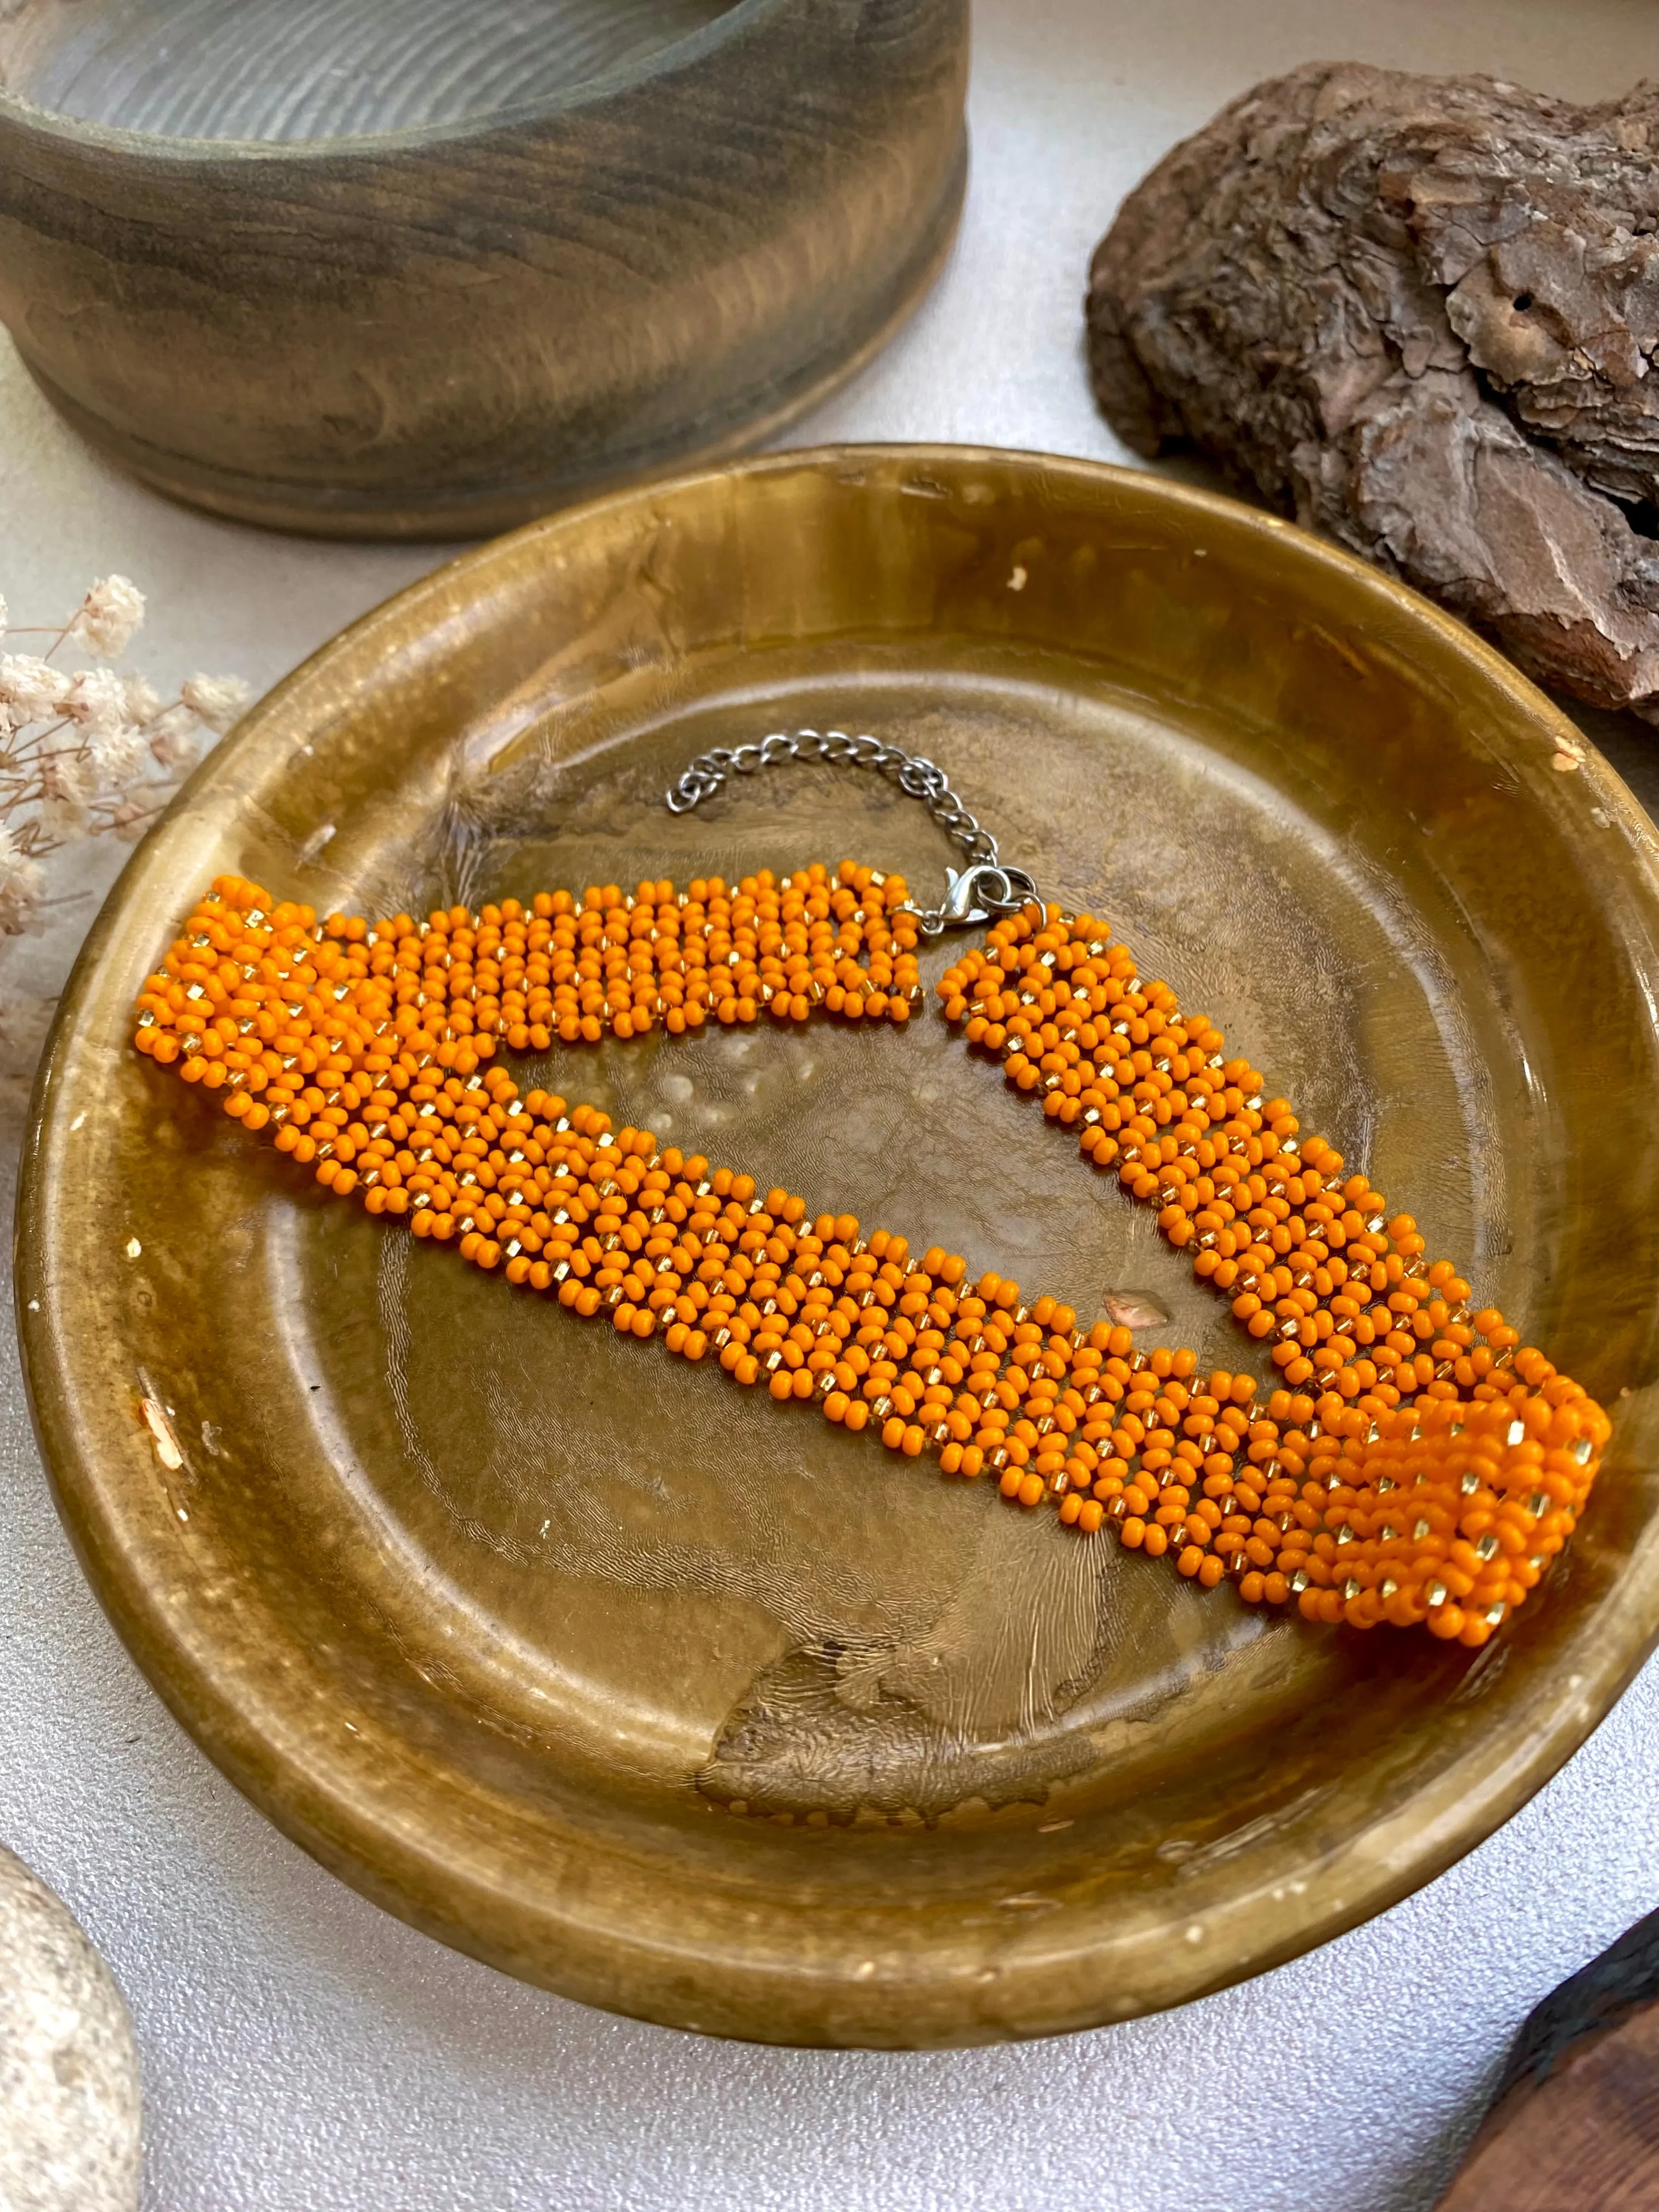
981	891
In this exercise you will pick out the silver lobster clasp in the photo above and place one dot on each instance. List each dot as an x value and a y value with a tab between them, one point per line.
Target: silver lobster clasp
978	894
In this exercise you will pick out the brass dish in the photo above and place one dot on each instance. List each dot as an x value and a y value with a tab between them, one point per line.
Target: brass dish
598	1667
406	269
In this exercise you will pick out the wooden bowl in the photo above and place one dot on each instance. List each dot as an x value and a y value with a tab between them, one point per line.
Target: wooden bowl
391	268
633	1682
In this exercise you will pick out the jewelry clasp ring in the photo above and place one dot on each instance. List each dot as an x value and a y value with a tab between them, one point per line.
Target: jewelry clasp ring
978	894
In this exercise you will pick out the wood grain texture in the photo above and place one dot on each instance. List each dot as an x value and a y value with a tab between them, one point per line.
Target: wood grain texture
442	331
1574	2125
287	71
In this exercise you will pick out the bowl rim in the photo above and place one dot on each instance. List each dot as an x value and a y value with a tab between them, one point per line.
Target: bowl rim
621	80
1361	1875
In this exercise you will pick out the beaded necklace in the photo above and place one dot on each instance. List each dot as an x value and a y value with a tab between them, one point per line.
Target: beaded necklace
1414	1462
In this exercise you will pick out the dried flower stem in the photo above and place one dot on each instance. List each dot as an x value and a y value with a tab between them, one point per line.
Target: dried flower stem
91	752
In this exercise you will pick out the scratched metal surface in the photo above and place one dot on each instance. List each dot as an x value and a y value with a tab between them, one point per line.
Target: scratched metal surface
303	2050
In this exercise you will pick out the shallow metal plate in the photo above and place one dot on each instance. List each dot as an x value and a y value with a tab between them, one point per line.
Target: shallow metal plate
643	1689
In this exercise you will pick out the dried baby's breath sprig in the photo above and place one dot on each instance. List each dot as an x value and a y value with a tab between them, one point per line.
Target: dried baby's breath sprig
21	881
109	617
215	701
88	756
85	753
89	750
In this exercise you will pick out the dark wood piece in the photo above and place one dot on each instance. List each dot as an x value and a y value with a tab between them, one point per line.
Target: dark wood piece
1417	313
442	331
1575	2124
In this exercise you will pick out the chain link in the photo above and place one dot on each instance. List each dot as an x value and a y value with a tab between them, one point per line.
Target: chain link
916	777
984	888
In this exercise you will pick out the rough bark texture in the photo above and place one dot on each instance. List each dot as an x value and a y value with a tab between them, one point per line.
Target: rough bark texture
1420	314
1575	2124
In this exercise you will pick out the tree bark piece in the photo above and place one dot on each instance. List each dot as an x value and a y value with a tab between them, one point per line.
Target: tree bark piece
1574	2125
1421	315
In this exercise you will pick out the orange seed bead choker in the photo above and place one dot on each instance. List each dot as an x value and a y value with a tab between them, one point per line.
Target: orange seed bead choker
1414	1464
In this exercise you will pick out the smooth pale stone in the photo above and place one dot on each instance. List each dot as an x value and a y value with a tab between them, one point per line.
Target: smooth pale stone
69	2067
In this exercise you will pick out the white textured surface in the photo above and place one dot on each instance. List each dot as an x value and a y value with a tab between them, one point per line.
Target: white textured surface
302	2050
69	2067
